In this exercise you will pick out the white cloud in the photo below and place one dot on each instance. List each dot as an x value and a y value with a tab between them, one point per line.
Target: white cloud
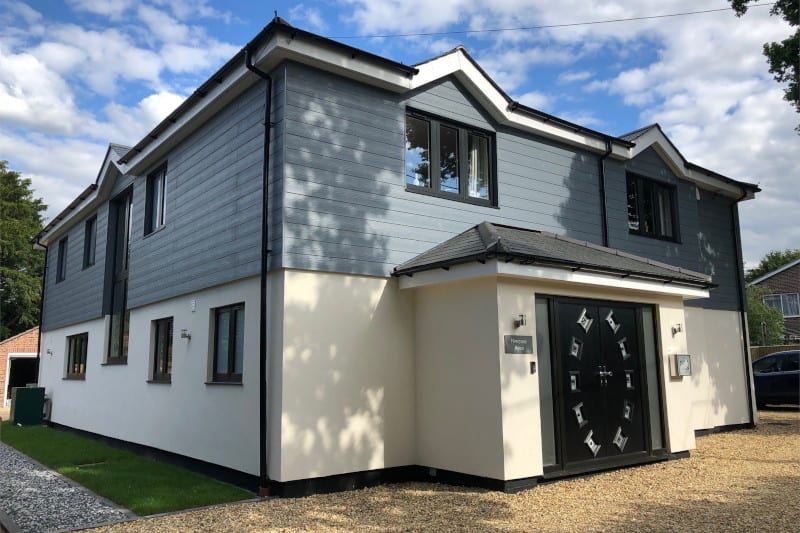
309	17
573	76
127	125
536	99
113	9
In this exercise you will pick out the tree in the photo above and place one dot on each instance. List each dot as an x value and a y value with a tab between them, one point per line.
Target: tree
783	56
20	265
765	324
773	260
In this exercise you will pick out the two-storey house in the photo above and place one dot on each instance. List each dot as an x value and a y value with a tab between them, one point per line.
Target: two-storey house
327	269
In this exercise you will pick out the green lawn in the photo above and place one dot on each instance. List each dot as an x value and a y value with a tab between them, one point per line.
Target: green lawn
142	485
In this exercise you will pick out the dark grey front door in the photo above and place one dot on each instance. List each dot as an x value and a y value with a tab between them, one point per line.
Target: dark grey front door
601	385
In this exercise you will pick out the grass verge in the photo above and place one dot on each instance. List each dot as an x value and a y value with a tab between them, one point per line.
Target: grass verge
143	485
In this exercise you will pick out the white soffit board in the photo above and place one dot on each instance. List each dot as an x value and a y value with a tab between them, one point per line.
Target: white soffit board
535	272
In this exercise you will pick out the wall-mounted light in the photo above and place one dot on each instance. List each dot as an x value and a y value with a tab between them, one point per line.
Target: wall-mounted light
677	328
520	321
185	334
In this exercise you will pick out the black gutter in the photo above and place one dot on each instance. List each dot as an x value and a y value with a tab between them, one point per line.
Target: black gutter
67	210
603	209
263	360
742	302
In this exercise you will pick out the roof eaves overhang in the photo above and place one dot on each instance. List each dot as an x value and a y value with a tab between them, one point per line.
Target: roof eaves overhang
86	200
653	136
573	266
543	271
459	64
276	43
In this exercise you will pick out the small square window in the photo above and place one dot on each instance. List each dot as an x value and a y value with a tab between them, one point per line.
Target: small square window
61	266
652	209
162	350
156	200
76	355
89	241
228	343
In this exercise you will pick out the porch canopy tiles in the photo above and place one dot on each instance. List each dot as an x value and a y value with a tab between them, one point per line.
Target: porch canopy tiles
511	245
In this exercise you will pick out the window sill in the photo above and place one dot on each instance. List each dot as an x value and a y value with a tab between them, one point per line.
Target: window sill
233	383
427	191
161	227
160	381
654	237
74	378
116	361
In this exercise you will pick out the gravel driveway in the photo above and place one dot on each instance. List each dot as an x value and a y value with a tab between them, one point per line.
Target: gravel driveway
747	480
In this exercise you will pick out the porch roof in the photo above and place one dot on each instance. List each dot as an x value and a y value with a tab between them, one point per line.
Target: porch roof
524	246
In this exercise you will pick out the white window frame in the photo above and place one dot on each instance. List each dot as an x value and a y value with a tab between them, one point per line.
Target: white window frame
784	305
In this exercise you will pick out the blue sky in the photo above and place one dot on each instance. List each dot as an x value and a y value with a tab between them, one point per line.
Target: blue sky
78	74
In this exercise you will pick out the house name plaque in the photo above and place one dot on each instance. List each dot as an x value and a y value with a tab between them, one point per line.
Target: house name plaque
519	344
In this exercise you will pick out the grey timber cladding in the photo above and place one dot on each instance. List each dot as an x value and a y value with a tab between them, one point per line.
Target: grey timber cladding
212	230
346	207
706	233
79	296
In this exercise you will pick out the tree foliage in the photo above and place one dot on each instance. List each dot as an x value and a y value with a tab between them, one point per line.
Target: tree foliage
765	324
782	56
20	265
773	260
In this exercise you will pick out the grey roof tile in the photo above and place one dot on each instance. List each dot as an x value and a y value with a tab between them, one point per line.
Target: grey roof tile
490	241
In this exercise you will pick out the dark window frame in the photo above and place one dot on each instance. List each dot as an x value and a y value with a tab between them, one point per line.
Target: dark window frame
77	349
434	179
163	335
120	239
90	242
61	264
155	200
647	189
230	376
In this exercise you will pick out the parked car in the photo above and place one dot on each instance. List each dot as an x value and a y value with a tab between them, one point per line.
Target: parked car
777	378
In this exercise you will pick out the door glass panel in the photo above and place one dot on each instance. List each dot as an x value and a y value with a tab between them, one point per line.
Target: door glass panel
544	361
651	364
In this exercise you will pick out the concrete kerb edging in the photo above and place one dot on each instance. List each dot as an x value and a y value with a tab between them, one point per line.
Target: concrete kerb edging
6	524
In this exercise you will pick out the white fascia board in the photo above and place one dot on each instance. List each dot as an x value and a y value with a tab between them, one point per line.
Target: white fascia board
675	161
458	65
279	48
91	202
534	272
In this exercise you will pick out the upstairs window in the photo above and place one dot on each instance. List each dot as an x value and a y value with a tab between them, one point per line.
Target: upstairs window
89	242
652	209
61	266
156	200
449	160
77	346
788	304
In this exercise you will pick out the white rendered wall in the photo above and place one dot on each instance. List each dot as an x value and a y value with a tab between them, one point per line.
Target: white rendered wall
214	423
719	382
459	424
347	397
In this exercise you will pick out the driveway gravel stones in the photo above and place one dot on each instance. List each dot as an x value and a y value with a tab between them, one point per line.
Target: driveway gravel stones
746	480
37	499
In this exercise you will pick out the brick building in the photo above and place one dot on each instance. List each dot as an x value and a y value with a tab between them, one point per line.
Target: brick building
783	292
17	362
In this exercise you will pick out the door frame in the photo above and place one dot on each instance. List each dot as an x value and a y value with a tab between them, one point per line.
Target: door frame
561	468
13	355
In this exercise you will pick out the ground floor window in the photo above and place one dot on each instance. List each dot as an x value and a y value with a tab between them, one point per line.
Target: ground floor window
162	350
228	343
76	355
